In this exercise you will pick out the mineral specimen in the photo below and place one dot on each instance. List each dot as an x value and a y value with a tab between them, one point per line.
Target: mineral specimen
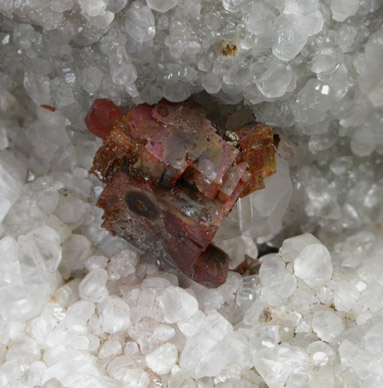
172	178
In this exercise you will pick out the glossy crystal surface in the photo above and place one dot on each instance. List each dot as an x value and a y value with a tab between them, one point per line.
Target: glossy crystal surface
172	180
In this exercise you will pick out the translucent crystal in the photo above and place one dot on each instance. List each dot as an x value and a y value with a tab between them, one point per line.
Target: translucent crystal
139	23
290	38
312	102
92	287
123	369
231	351
122	264
38	87
116	5
278	284
314	265
12	177
321	354
327	325
300	8
276	80
49	244
124	74
92	7
260	213
343	9
102	20
76	251
177	304
161	5
91	79
277	364
115	315
110	349
162	360
191	325
25	287
25	350
4	142
210	333
237	249
292	247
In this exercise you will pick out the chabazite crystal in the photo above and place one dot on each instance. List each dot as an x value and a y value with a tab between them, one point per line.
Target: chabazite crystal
171	179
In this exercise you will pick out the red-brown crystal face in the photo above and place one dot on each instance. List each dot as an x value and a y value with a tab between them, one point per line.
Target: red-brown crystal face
211	267
172	180
102	116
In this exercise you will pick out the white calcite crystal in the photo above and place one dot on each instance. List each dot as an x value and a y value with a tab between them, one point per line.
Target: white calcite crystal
279	330
115	315
12	178
327	325
161	5
93	286
313	265
80	308
92	7
162	360
140	23
177	304
278	284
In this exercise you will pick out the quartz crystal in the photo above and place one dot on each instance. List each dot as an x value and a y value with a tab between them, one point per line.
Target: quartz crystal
172	180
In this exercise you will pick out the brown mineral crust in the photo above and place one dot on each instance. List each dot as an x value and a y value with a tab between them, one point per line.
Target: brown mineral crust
228	49
153	146
257	150
118	152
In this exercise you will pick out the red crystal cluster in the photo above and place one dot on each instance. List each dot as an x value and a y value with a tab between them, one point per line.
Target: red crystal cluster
171	179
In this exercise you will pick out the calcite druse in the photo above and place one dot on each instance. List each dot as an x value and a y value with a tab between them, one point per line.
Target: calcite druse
172	177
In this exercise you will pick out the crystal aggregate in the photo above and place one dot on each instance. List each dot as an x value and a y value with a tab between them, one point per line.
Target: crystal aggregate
81	308
171	180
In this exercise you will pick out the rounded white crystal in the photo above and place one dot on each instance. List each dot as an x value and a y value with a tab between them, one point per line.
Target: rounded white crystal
92	7
115	315
277	283
327	325
139	23
177	304
314	265
161	5
93	286
162	360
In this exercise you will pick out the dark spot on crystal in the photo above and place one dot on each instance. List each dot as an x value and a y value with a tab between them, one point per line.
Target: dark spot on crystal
277	140
141	204
169	177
